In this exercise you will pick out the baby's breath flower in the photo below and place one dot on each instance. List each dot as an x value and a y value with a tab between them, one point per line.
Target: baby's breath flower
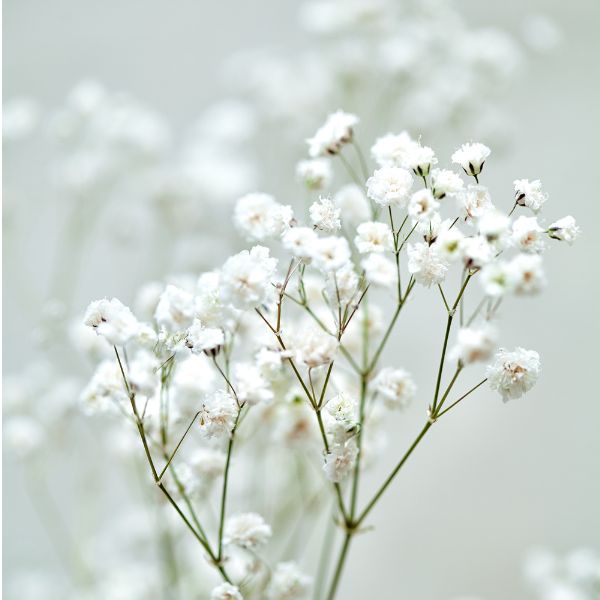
422	205
379	270
218	413
251	386
105	388
474	202
353	203
395	386
495	279
471	157
340	460
445	183
247	530
493	226
476	252
330	253
325	215
526	275
175	309
342	407
419	159
373	237
391	150
288	583
300	241
259	216
315	174
143	374
200	338
474	344
316	348
448	243
564	229
389	186
342	285
337	131
513	373
530	194
527	235
112	320
427	264
226	591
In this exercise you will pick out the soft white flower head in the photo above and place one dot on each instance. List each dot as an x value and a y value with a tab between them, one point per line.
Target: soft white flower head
143	375
527	235
526	275
337	131
113	320
391	150
474	344
226	591
420	159
247	530
342	407
373	236
353	203
175	309
270	361
259	216
218	414
565	229
300	241
251	386
379	270
288	583
105	388
395	386
476	251
495	279
427	264
202	339
315	174
530	194
513	373
474	202
246	277
342	285
208	304
493	226
448	243
445	183
471	157
325	215
340	460
330	253
422	205
208	464
431	226
316	348
389	186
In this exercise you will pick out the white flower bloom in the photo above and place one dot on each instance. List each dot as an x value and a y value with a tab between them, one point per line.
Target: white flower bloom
175	309
431	226
445	183
373	237
208	304
259	216
564	229
513	373
208	464
342	285
493	226
527	235
525	274
530	194
143	375
379	270
316	348
474	202
495	279
112	320
226	591
104	388
247	530
325	215
246	278
218	414
288	583
420	159
448	243
250	385
340	460
474	344
353	203
395	386
330	253
476	251
342	407
471	157
270	361
389	186
200	338
337	131
422	205
300	241
315	174
426	264
391	150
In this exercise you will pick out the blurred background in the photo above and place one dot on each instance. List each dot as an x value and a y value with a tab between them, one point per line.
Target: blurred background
490	484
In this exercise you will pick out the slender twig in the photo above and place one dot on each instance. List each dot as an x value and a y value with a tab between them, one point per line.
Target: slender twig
178	445
460	399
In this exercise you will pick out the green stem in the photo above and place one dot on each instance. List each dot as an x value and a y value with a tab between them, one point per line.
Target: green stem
339	566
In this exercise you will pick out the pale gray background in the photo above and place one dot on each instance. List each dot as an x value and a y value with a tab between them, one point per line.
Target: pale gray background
497	479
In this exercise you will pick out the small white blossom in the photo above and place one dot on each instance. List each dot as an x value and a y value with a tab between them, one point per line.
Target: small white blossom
422	205
315	174
471	157
564	229
200	338
493	226
208	464
420	159
251	386
143	375
474	202
337	131
373	237
259	216
325	215
426	263
525	274
340	460
445	183
330	253
288	583
175	309
527	235
342	407
246	277
395	386
105	387
474	344
391	150
218	414
476	252
379	270
389	186
353	203
530	194
316	347
448	243
513	373
226	591
300	241
247	530
495	279
113	320
342	284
